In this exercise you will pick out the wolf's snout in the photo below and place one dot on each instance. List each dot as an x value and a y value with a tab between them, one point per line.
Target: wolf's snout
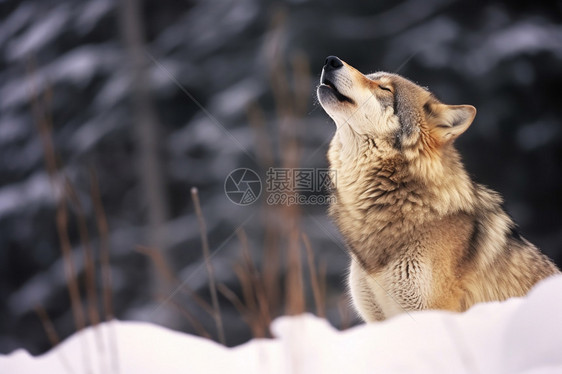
332	63
332	81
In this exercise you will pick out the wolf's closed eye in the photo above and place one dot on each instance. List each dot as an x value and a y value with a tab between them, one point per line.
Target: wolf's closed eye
385	88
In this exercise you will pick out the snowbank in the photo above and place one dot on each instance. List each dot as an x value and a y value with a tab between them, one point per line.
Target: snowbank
519	335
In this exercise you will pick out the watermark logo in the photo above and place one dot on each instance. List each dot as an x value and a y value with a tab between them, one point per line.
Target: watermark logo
300	186
242	186
284	186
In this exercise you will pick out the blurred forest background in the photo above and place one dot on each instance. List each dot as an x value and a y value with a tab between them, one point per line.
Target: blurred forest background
146	99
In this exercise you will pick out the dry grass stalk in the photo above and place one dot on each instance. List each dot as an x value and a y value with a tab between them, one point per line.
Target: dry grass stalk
47	325
247	289
263	311
294	285
264	145
322	279
44	123
89	265
207	255
44	126
159	262
259	329
51	334
319	301
275	46
265	156
187	314
165	271
271	261
233	298
103	231
71	282
286	111
89	262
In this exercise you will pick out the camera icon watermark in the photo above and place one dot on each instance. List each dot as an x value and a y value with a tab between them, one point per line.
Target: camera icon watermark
284	186
242	186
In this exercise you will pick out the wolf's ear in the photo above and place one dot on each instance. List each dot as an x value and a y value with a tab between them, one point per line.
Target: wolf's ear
452	120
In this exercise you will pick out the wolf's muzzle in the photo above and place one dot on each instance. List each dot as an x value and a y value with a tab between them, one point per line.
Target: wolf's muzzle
329	78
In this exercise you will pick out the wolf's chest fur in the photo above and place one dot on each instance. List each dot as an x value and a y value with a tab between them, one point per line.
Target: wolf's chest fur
393	228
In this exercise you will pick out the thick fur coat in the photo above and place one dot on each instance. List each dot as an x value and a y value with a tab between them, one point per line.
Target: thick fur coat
421	233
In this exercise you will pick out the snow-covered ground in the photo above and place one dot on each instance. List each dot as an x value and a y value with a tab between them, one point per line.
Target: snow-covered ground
517	336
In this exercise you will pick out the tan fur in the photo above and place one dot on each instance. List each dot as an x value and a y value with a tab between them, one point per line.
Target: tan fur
421	234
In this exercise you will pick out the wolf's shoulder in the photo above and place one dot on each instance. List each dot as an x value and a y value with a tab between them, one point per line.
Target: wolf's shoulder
487	198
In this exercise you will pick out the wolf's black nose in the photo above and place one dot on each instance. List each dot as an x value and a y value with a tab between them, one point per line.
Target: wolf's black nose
332	63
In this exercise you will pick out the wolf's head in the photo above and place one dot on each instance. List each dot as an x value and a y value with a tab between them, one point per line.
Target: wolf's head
399	116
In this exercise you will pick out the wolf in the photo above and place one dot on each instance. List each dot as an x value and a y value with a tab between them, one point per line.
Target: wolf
421	234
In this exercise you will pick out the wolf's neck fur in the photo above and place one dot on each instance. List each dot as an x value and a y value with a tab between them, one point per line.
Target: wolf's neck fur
396	196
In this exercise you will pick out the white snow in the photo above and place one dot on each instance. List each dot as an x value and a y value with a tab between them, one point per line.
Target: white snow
519	335
92	13
234	100
525	37
34	190
46	28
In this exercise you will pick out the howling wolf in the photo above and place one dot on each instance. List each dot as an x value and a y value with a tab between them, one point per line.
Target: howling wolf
421	233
